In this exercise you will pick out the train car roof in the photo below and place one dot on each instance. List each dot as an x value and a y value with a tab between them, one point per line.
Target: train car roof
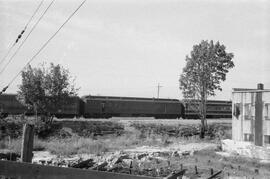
208	101
8	94
128	98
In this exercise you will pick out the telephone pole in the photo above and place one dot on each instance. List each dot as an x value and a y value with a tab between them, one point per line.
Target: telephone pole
158	89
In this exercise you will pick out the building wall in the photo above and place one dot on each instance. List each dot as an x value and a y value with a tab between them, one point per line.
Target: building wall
266	118
245	123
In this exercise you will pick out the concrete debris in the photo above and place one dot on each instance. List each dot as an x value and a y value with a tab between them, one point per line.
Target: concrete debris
140	156
175	154
100	166
127	162
246	149
185	153
84	164
138	161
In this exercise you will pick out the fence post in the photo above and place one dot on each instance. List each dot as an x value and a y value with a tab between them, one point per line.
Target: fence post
27	143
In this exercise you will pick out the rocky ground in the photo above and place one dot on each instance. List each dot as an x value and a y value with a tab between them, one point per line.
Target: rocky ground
143	160
200	159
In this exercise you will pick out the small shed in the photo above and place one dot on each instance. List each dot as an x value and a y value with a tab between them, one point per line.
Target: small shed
251	116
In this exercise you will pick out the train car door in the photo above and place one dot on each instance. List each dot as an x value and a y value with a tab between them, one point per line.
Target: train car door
103	107
1	108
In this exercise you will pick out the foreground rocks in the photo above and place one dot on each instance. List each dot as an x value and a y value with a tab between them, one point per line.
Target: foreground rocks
145	160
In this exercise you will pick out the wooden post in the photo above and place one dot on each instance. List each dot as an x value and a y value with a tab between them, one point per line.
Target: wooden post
211	171
27	143
196	170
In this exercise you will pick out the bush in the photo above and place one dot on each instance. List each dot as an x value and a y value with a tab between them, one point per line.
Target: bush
11	127
44	130
218	131
93	128
159	129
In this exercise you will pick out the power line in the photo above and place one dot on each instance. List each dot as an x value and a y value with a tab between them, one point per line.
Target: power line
33	14
22	32
43	46
17	50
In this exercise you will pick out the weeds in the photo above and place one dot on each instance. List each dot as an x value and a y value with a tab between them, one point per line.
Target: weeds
80	137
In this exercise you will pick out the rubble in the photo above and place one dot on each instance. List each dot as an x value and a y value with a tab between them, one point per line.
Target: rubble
145	160
84	164
246	149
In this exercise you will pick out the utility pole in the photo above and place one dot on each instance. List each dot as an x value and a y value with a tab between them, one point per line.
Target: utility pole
158	88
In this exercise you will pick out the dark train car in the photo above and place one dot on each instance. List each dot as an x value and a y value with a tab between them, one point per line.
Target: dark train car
214	109
108	106
219	109
72	107
10	105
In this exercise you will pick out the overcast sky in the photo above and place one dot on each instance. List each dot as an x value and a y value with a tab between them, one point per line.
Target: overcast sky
127	47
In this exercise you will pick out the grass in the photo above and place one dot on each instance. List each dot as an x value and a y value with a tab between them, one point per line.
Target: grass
97	145
75	145
76	137
14	145
102	144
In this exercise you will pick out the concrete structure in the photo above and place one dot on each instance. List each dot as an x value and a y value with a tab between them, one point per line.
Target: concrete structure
251	116
250	123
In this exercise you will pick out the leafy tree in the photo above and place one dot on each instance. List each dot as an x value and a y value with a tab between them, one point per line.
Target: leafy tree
205	69
44	89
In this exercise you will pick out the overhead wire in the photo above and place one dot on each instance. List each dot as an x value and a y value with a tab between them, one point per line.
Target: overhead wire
32	29
43	46
22	32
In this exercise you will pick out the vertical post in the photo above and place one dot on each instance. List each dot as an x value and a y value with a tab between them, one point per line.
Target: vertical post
158	88
211	171
259	117
196	170
27	143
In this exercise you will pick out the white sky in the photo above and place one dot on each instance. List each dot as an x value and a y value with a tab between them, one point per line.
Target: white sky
127	47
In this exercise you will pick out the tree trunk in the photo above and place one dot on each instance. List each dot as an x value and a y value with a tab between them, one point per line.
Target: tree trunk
203	111
36	113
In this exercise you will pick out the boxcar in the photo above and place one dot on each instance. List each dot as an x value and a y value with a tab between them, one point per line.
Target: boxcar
108	106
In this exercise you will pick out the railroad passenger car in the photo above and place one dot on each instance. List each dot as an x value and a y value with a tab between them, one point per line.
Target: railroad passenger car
214	109
10	105
72	107
109	106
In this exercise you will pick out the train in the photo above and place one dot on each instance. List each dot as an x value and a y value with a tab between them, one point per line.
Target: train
214	109
111	106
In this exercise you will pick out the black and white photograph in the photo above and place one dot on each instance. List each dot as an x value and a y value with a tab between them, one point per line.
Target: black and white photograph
134	89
